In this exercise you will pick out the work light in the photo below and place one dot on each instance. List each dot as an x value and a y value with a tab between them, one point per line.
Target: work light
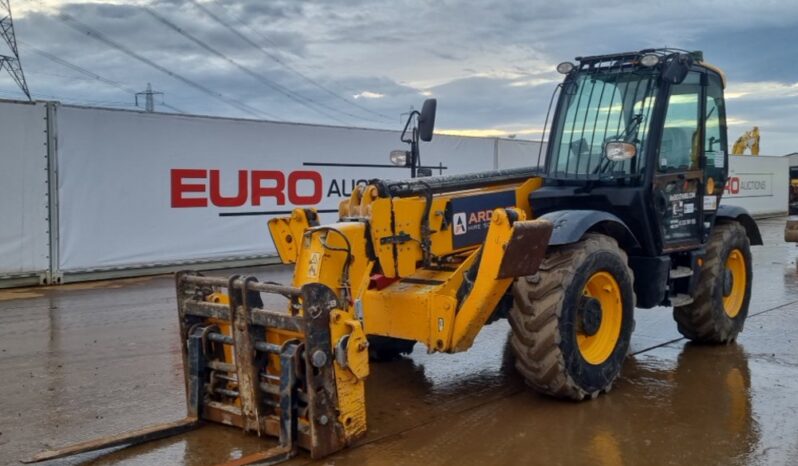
649	60
565	67
619	151
399	158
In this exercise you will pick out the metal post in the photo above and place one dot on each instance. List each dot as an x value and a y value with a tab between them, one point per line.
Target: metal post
54	275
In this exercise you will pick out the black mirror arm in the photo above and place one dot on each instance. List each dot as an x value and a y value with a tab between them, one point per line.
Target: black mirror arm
415	157
414	113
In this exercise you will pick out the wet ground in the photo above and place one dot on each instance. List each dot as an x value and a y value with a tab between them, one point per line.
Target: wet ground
86	360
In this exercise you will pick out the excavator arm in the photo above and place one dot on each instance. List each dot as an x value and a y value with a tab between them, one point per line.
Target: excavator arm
748	141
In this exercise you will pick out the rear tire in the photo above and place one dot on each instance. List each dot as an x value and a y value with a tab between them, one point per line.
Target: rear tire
561	348
382	349
720	303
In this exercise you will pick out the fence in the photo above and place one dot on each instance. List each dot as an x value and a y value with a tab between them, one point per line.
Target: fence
89	193
140	191
24	192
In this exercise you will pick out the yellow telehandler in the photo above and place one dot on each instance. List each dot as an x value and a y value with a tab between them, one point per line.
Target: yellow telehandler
624	213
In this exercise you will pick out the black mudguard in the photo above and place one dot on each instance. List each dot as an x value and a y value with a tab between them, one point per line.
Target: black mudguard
740	215
571	225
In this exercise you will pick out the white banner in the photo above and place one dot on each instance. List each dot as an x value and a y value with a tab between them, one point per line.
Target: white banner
515	153
145	189
759	184
24	237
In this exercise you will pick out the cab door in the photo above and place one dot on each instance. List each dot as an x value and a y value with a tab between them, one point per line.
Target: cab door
679	176
716	153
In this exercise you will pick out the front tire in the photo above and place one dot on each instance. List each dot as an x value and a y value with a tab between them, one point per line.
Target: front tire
723	293
572	321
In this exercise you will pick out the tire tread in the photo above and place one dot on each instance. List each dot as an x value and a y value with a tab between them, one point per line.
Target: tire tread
696	321
535	317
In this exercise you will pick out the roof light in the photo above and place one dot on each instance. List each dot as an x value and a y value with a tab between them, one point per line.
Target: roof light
649	60
565	67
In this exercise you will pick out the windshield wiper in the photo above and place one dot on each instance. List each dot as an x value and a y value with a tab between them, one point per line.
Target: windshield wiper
619	176
632	129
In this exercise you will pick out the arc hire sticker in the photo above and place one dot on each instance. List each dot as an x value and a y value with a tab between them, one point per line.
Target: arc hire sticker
471	216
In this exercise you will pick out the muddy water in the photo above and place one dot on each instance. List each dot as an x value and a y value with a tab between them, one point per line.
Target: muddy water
83	361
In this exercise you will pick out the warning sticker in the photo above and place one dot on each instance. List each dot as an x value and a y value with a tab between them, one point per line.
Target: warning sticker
314	265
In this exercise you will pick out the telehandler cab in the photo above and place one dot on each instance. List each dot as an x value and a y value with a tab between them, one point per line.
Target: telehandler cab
625	213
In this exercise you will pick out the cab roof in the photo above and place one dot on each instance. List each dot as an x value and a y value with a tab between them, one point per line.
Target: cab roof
632	59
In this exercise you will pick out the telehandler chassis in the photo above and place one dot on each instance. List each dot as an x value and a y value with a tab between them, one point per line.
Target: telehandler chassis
625	214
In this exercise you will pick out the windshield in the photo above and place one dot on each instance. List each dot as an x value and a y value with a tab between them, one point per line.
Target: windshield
595	108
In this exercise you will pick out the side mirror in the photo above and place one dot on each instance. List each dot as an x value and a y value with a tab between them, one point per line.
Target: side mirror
426	120
423	172
619	151
676	68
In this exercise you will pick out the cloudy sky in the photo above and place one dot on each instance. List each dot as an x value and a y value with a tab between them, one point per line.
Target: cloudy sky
364	62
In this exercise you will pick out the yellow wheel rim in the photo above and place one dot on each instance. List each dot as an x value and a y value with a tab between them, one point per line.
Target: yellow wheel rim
735	264
598	347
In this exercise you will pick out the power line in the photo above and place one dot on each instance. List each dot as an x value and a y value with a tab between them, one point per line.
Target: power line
94	34
270	41
255	32
11	63
67	100
79	69
262	79
277	59
91	74
302	100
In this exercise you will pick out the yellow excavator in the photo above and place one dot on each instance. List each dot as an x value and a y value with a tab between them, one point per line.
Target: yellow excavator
625	213
749	141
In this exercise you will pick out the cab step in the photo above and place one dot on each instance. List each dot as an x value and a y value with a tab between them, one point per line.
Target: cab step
681	272
680	300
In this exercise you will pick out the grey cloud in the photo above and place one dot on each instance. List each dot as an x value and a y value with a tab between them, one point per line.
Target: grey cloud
472	56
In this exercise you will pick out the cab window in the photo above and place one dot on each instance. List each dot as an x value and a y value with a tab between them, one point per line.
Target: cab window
715	145
680	146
